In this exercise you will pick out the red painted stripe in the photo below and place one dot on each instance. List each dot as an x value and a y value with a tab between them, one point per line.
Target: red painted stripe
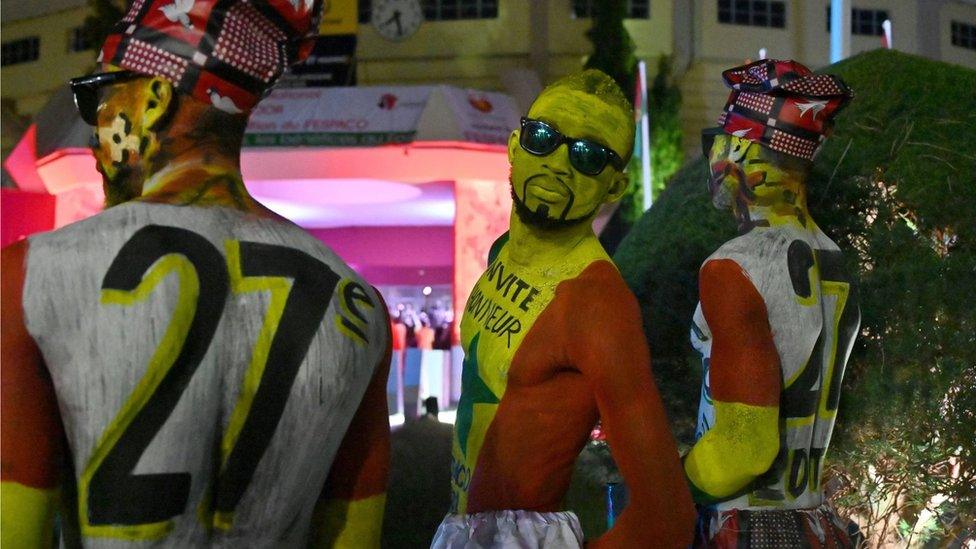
744	363
30	425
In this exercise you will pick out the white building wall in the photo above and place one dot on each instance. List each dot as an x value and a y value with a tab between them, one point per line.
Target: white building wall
963	13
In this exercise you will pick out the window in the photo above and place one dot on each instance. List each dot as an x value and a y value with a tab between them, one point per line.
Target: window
636	9
964	35
77	41
24	50
444	10
757	13
865	22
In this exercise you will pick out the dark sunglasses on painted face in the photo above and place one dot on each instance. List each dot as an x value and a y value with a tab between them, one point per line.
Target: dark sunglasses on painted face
587	157
87	90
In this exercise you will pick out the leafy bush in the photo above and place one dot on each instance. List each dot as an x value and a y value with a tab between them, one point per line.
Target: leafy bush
895	187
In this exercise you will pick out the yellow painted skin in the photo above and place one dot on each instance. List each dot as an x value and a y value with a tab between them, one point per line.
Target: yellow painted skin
541	259
141	161
28	516
349	524
740	446
493	352
744	441
126	136
747	179
549	179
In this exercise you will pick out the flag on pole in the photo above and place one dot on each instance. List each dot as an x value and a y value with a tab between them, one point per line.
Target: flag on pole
642	141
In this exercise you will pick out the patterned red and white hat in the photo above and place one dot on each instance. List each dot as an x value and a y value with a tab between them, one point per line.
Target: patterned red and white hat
782	105
224	52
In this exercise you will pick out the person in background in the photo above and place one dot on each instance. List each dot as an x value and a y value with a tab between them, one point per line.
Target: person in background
776	320
431	408
399	333
411	320
442	327
425	334
214	374
535	377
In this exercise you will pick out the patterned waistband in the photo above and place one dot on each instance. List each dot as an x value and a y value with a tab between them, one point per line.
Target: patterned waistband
774	528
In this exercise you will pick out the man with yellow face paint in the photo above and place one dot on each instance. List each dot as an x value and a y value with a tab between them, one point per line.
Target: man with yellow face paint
776	320
214	375
553	342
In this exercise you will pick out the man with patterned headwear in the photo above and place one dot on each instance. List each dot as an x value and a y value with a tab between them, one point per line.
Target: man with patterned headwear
214	375
776	320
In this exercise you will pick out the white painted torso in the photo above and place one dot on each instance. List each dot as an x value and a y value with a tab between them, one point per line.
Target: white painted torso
797	319
98	349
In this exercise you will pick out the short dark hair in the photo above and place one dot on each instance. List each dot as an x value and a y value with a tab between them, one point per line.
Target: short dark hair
224	129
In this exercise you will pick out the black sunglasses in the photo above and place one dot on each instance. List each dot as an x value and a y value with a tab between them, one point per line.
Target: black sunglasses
86	91
590	158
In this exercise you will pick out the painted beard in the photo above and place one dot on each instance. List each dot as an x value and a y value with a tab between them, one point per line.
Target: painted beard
540	218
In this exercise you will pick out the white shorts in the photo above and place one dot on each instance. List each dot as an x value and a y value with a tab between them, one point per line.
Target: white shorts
521	529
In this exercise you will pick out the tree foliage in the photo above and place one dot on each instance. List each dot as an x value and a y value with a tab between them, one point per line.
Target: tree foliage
103	15
613	49
664	106
613	53
895	187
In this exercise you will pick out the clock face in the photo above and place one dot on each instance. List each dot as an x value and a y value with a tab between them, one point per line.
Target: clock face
397	19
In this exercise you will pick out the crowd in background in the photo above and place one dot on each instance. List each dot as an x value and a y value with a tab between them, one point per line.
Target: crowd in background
428	328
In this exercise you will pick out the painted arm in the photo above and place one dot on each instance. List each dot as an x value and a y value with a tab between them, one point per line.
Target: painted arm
30	425
744	377
350	511
616	360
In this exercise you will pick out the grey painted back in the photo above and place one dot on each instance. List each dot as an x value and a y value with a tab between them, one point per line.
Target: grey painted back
201	271
814	316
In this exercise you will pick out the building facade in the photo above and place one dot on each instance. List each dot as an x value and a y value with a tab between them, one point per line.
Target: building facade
517	46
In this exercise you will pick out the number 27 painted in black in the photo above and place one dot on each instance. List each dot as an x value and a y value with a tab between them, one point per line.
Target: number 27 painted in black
116	496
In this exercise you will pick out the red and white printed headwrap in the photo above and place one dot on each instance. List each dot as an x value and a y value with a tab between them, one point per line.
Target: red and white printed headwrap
224	52
782	105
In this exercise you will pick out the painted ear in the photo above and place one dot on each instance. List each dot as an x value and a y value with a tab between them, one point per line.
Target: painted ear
161	100
618	186
513	144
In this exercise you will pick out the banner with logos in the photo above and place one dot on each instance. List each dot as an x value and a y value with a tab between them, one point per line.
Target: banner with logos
483	117
378	115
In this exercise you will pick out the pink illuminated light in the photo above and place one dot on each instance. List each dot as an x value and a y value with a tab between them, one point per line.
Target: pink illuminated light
66	169
20	163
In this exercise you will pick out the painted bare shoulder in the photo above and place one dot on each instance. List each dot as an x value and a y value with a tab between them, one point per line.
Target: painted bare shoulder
773	256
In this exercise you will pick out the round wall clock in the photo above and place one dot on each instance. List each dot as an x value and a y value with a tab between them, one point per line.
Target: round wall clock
397	19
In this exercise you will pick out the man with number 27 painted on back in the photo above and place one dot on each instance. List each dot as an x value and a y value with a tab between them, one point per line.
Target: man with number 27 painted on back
776	320
213	375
